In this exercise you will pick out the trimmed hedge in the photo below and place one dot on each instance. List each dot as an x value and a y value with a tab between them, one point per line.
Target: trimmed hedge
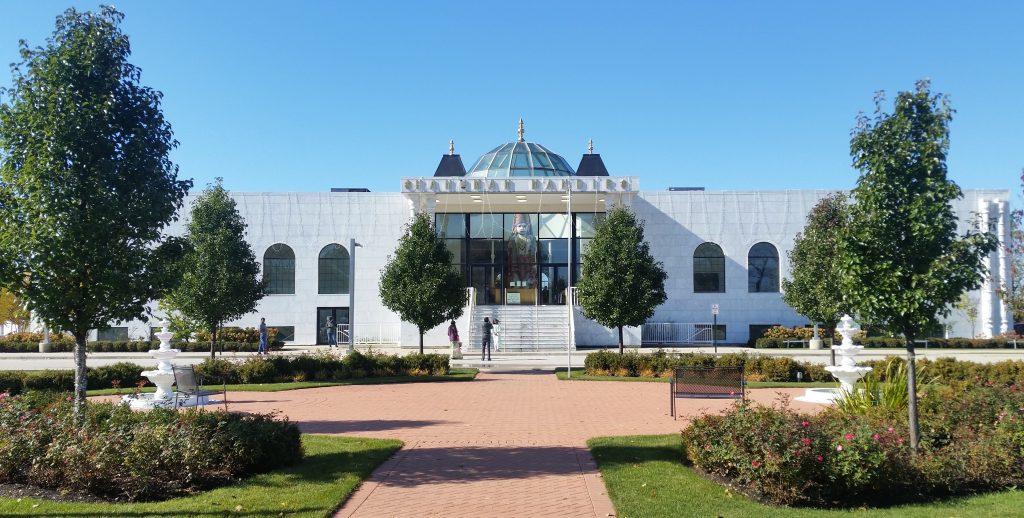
946	371
321	366
898	343
120	454
133	346
324	366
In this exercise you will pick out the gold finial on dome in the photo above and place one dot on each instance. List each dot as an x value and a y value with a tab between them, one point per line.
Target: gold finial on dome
590	146
451	147
521	131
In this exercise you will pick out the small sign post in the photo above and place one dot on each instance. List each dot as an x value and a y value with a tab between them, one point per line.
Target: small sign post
714	327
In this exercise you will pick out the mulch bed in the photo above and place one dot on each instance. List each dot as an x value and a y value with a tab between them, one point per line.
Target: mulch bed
26	491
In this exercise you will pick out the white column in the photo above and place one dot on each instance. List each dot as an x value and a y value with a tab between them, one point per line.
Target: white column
1005	318
985	299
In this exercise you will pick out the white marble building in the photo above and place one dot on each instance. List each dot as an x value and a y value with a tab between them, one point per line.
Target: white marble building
519	186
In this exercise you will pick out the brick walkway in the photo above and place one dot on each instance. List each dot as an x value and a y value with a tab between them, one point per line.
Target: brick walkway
506	444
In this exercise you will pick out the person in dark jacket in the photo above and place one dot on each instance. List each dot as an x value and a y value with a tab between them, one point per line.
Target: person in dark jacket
485	344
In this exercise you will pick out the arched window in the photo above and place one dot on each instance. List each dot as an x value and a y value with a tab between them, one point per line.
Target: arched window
332	276
763	269
708	269
279	270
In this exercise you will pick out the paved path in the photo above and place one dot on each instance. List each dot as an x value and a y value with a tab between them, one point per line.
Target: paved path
506	444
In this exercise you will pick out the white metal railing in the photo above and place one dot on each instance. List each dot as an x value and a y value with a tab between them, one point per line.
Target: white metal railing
676	333
370	333
573	297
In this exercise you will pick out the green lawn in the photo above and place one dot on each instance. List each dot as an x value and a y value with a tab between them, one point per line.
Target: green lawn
331	471
454	375
579	375
645	478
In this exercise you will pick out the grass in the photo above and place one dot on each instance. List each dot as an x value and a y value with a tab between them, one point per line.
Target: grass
645	477
331	471
578	375
453	375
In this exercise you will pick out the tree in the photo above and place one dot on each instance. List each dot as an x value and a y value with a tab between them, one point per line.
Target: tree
219	272
621	284
968	306
815	290
903	263
418	282
1013	292
86	185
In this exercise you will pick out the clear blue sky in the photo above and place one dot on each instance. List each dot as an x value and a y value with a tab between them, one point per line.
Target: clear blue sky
304	96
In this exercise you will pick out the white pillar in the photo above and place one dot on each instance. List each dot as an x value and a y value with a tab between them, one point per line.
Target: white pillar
985	299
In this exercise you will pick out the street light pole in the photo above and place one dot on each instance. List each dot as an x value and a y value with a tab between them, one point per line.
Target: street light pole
352	245
568	290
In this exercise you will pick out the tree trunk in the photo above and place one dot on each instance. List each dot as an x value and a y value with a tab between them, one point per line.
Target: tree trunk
621	348
912	392
421	341
213	342
80	376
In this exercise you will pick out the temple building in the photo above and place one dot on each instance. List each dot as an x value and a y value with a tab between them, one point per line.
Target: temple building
517	222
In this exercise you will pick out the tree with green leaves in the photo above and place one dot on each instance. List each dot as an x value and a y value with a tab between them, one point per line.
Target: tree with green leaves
220	276
904	264
419	282
621	283
86	183
815	290
1013	291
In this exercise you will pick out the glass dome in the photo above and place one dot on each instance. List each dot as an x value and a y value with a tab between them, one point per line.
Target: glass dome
520	159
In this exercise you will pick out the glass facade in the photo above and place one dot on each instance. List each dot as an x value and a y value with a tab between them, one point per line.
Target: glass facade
517	159
517	258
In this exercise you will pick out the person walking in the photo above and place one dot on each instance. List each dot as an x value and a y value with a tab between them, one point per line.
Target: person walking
485	345
456	346
263	337
332	333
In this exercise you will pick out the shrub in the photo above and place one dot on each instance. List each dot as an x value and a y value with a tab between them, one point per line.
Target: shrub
121	454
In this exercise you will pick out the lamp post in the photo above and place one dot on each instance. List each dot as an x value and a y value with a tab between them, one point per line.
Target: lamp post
568	291
352	245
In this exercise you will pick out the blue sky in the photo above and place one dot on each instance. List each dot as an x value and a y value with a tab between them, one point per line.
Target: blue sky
304	96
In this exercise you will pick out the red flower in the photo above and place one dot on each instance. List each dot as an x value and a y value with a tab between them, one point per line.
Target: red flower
755	464
820	458
876	437
849	436
807	440
805	424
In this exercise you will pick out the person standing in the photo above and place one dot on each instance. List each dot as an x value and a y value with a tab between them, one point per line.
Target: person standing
497	335
485	345
332	333
263	337
453	337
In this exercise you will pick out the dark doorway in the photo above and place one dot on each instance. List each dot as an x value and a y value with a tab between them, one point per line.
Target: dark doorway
340	316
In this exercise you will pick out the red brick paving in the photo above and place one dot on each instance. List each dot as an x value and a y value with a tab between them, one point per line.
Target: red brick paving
506	444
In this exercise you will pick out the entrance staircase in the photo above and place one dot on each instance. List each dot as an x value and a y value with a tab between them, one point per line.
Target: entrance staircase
523	328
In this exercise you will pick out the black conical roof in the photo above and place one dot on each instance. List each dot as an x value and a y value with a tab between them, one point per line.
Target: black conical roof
591	165
451	165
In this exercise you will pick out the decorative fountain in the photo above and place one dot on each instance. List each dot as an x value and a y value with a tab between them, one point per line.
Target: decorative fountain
162	377
847	372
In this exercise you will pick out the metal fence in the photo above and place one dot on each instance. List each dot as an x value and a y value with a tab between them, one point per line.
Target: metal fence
676	333
370	333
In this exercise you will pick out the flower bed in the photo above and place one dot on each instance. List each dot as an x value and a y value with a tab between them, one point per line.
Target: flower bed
879	342
971	441
123	455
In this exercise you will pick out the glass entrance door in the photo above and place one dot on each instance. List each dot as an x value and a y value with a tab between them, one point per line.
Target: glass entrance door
337	315
487	284
553	282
